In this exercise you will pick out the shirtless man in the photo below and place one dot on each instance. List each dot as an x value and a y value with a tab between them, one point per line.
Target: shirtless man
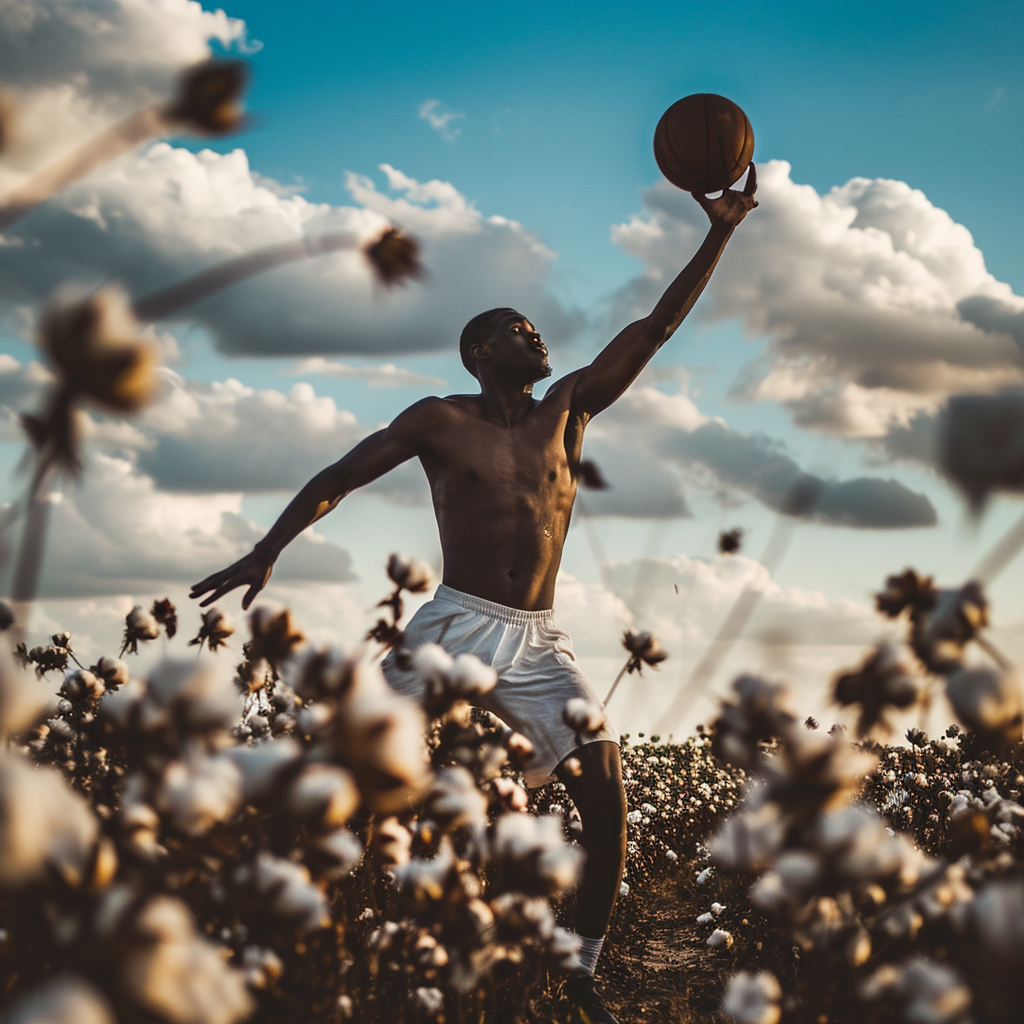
502	468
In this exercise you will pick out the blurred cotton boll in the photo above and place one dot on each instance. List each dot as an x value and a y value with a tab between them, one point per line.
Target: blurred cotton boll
324	794
199	791
62	1000
988	701
981	444
412	574
752	998
583	716
531	853
95	345
380	737
289	891
177	974
454	800
44	825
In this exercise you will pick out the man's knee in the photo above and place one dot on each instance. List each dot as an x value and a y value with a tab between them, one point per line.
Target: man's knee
597	790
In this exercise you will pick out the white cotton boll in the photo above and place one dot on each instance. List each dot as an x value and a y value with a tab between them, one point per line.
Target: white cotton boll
749	839
634	817
62	1000
454	799
564	948
43	824
326	792
470	677
624	888
717	908
752	998
672	855
290	892
934	993
426	879
313	718
704	875
179	976
392	842
706	918
201	692
412	574
199	792
141	625
525	839
989	701
344	850
583	716
432	663
720	939
262	966
511	793
262	763
382	738
121	705
24	700
429	1000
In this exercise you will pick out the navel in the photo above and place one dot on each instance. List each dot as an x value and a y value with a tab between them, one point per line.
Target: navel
552	476
512	574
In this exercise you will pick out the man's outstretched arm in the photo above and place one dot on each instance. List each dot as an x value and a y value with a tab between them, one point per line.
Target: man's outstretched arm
618	364
371	458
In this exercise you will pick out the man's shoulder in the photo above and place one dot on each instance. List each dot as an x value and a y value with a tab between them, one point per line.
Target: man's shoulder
433	411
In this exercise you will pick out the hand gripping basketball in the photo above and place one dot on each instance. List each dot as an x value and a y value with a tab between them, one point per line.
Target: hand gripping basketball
731	207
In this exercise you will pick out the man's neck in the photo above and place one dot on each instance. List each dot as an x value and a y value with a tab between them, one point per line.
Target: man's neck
504	403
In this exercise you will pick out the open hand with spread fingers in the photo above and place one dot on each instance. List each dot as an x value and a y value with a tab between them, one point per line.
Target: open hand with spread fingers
252	571
731	206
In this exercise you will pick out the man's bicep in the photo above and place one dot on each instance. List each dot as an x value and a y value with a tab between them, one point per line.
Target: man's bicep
614	368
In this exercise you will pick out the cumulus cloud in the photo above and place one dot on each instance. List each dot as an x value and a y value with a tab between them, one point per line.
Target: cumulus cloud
116	533
649	444
158	216
75	66
875	303
443	122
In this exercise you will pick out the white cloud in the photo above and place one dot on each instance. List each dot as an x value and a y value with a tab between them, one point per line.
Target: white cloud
442	122
75	66
650	445
869	296
156	217
381	375
116	533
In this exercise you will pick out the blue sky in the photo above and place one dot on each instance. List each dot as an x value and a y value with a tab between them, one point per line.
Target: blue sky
544	116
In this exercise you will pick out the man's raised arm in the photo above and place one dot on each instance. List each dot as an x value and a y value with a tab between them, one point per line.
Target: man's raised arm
619	362
371	458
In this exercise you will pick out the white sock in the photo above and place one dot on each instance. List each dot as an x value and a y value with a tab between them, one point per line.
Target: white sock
590	950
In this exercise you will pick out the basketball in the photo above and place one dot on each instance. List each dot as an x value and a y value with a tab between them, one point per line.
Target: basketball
703	143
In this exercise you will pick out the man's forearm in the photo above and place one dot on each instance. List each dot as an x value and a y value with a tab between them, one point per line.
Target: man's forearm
314	501
683	292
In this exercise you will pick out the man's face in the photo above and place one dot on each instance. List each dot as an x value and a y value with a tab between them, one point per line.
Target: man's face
516	349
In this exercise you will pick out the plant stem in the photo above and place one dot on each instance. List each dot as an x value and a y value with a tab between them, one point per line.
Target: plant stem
622	672
30	555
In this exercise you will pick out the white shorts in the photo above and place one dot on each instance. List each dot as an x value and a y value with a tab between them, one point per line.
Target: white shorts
536	666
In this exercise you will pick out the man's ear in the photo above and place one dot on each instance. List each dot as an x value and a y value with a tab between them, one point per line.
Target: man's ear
479	351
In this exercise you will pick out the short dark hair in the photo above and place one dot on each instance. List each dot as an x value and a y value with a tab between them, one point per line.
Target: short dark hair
479	330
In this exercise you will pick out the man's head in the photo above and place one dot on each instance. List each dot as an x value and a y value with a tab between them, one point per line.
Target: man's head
506	340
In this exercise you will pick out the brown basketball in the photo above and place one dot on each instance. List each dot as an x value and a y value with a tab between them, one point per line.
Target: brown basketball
703	143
